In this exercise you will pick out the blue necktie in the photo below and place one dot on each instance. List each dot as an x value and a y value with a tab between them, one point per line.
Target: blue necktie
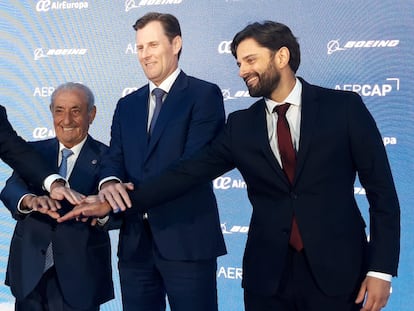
63	168
158	93
66	153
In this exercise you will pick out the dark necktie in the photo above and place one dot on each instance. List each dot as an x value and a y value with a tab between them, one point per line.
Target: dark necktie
158	93
63	168
288	158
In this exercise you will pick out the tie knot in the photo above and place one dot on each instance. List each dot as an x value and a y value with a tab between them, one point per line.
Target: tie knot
281	109
158	93
66	153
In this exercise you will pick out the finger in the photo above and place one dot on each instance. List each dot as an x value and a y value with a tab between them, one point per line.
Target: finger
72	196
369	302
94	221
70	215
361	293
113	202
122	194
53	214
129	186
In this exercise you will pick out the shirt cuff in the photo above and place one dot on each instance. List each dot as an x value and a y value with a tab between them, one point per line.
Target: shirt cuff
51	179
24	211
380	275
108	179
102	221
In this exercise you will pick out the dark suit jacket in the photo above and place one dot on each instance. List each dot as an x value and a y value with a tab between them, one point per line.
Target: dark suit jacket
82	254
188	227
19	155
338	139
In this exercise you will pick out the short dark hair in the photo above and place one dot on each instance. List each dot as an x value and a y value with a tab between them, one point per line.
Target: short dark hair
271	35
168	21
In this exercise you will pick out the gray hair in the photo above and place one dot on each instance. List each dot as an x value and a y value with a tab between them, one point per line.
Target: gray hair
90	99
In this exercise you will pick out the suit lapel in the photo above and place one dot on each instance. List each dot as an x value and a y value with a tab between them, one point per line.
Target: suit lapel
309	113
86	165
176	96
259	118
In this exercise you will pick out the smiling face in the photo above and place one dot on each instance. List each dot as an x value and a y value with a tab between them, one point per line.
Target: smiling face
71	117
156	53
257	68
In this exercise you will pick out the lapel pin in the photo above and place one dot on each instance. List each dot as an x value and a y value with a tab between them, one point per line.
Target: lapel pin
94	161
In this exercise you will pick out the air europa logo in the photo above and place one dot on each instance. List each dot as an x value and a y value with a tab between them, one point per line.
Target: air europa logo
132	4
46	5
335	46
43	133
224	47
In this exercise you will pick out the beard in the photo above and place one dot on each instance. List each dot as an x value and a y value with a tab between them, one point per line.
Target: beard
268	81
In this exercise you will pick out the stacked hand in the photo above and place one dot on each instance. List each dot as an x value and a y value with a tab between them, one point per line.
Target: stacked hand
112	197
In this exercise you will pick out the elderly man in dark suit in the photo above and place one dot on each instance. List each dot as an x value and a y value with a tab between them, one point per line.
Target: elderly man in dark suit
299	149
31	166
60	267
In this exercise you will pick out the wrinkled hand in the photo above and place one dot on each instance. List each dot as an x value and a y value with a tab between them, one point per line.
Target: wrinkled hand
42	204
116	195
376	293
92	206
58	191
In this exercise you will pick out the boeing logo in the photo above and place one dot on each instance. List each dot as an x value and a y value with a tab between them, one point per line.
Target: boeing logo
131	4
234	229
128	90
40	53
227	94
334	46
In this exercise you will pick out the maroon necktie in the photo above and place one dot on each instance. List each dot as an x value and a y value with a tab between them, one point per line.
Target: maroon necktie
288	158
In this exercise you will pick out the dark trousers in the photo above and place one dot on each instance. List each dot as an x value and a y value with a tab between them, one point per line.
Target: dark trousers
149	279
298	291
47	296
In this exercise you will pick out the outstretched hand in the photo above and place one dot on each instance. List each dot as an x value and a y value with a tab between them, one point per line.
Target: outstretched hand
41	204
91	206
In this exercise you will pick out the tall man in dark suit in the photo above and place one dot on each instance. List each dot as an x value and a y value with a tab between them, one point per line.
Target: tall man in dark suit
306	247
60	267
29	164
173	249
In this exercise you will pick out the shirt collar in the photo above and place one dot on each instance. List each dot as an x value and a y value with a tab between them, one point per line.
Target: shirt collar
294	98
76	149
167	83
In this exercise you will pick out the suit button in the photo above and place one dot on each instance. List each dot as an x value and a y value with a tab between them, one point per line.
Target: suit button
286	231
293	195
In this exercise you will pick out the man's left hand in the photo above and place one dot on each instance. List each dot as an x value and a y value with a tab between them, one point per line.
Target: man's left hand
376	293
58	191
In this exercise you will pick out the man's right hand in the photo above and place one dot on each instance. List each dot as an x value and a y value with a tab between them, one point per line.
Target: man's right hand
42	204
92	206
116	194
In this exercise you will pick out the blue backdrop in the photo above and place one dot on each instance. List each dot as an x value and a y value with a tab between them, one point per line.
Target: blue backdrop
364	46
